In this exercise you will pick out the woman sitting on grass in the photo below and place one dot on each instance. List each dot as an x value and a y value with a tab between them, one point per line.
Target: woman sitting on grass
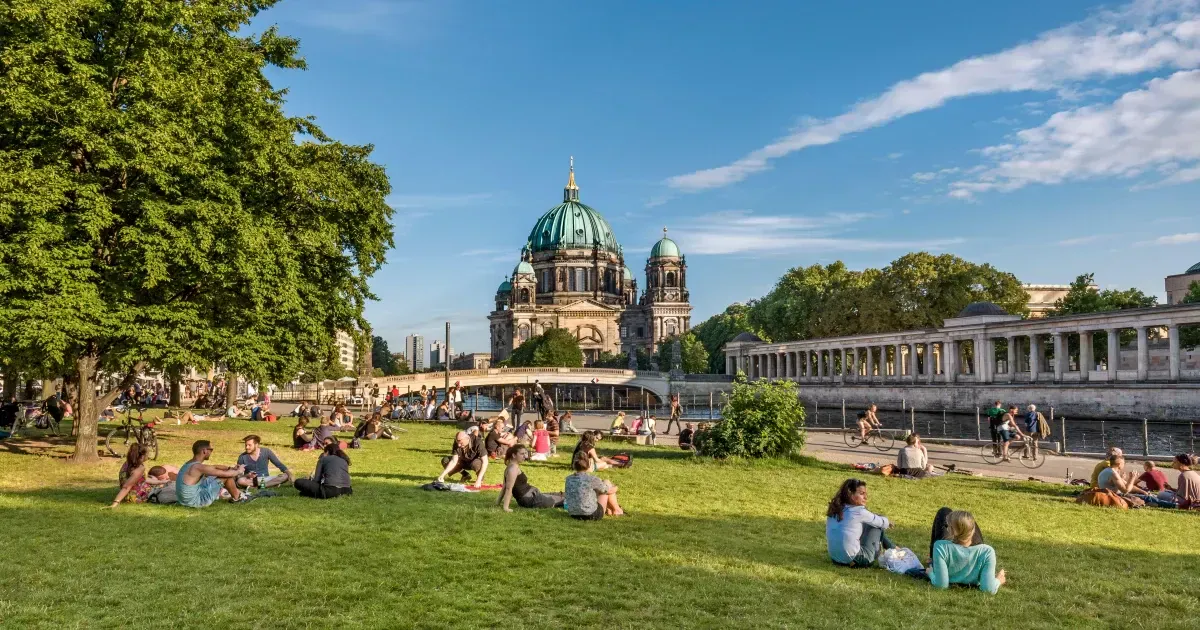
135	482
1187	491
516	485
957	559
301	438
331	478
853	534
589	498
587	447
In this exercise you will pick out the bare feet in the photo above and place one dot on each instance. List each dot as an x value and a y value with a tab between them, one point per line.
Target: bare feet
1001	577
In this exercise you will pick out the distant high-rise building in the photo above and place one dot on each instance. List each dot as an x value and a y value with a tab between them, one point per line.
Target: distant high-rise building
347	350
439	353
414	349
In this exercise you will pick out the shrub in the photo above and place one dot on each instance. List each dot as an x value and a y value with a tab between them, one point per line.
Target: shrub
761	419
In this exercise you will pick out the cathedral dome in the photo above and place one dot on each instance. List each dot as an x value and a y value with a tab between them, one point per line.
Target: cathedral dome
665	248
505	287
572	225
626	274
1194	268
523	267
976	309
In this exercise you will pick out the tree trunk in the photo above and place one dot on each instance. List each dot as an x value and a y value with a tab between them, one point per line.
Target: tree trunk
87	415
173	376
231	387
11	380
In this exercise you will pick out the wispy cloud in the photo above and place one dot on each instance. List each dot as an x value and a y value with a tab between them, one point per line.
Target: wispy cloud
932	175
1082	240
895	156
1174	239
742	232
1154	129
1141	37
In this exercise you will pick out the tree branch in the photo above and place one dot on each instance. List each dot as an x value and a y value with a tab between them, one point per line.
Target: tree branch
106	399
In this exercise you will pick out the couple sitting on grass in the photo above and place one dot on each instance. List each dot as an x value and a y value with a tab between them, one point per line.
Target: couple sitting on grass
957	554
586	497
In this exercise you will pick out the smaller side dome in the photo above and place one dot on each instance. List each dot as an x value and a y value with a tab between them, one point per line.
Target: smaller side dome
627	274
976	309
1194	268
505	287
665	248
523	267
746	336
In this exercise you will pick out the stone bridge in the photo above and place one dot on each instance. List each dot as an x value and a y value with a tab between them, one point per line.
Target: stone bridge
657	383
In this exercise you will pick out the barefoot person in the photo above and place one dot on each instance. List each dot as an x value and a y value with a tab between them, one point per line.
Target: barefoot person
589	498
199	484
136	482
958	559
516	485
853	534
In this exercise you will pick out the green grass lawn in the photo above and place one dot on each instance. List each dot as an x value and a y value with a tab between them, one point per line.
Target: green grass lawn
707	545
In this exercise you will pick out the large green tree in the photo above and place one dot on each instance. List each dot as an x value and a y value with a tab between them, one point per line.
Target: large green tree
720	329
556	347
157	206
381	358
692	353
1189	336
1084	297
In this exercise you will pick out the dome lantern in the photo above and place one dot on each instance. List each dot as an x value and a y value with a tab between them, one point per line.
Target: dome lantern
571	191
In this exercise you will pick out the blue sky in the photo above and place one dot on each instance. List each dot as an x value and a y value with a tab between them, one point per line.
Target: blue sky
1047	138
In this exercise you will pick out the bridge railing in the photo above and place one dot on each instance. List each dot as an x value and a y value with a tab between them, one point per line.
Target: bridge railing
518	370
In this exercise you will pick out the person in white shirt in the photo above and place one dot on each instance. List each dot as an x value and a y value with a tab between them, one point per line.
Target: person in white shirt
913	459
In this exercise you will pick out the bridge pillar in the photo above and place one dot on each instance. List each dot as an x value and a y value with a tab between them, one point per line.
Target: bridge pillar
844	372
729	363
870	363
951	360
897	362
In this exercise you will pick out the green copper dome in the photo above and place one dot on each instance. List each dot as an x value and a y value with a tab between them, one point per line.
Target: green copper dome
523	267
1194	268
505	287
572	225
665	248
627	274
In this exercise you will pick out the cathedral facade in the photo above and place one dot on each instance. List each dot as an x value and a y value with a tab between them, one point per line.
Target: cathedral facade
572	275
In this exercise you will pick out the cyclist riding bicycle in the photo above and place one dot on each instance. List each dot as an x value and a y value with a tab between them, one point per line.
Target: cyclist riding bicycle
1008	431
867	420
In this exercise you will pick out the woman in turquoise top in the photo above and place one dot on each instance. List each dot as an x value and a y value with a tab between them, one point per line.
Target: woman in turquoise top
956	560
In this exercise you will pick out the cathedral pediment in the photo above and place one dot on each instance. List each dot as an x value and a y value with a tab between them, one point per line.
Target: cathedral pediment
587	306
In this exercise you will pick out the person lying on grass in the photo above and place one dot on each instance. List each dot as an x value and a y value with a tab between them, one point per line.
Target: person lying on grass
958	559
587	447
469	454
255	461
332	476
199	484
589	498
135	481
853	535
516	485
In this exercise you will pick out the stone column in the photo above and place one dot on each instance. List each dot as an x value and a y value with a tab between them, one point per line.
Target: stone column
1035	357
1114	353
802	368
845	371
1173	351
820	364
1085	356
897	362
914	363
1011	357
729	365
949	347
869	362
1143	354
1060	356
930	364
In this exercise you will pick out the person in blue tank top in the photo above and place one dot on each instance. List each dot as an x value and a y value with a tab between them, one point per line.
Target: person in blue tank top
199	484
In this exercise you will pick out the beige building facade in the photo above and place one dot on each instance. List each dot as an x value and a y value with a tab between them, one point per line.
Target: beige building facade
573	275
1179	284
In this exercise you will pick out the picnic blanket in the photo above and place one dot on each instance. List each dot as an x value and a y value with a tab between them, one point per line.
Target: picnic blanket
459	487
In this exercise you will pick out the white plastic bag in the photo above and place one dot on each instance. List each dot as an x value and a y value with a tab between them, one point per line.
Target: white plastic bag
899	560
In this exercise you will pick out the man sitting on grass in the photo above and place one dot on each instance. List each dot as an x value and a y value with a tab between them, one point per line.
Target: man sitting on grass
255	460
199	485
499	440
469	454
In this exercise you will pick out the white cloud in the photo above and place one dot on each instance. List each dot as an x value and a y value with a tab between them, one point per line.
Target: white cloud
1154	129
1082	240
741	232
1141	37
895	156
1175	239
932	175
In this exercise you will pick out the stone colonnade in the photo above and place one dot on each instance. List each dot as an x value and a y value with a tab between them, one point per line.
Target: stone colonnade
967	350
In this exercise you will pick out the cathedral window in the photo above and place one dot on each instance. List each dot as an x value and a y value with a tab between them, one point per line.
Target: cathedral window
641	332
670	278
562	279
624	332
525	296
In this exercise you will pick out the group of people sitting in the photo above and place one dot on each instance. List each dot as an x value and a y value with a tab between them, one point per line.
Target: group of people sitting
1151	486
198	484
584	496
855	537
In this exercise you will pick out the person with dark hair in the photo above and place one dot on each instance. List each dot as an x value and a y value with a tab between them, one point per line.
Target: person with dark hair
331	478
199	484
499	440
853	534
136	483
516	485
301	438
255	460
587	447
589	498
470	453
941	527
1187	490
8	411
687	437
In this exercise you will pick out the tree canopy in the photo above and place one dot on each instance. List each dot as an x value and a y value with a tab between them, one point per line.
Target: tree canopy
1189	336
720	329
691	352
384	360
556	347
157	206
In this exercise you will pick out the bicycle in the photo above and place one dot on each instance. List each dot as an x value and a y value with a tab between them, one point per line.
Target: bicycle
34	418
1025	451
125	434
875	437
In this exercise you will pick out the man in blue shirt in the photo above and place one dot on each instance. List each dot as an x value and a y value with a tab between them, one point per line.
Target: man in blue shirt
255	459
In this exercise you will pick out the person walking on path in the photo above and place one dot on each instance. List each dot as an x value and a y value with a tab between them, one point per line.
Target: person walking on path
676	414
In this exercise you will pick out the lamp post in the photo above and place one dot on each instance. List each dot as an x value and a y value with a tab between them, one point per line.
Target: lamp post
446	360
